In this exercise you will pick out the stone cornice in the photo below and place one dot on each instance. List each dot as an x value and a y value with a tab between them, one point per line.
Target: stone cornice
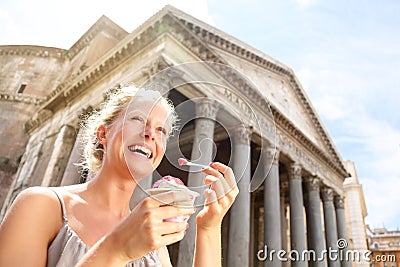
31	50
21	98
203	29
295	133
38	119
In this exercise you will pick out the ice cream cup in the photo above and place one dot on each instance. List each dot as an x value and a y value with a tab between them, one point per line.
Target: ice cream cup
181	204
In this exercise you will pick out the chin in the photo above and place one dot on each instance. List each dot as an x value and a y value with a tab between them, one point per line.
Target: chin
140	171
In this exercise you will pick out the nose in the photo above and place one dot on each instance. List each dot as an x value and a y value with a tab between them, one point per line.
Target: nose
149	132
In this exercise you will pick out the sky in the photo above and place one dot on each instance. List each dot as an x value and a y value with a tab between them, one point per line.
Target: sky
346	55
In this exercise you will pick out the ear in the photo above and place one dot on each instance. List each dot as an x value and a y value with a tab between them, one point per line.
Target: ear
101	135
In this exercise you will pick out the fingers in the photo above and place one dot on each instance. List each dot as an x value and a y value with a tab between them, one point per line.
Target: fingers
173	238
159	227
168	198
172	232
223	189
211	197
167	233
226	171
227	180
167	212
168	228
216	185
211	171
154	212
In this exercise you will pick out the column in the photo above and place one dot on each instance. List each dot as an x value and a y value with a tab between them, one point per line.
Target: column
272	213
59	157
239	226
297	229
22	179
342	227
314	221
202	152
284	224
253	230
71	174
331	235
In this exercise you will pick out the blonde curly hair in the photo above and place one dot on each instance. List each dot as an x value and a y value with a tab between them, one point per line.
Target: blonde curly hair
117	102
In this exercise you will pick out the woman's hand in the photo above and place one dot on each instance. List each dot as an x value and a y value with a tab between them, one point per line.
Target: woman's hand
145	229
220	196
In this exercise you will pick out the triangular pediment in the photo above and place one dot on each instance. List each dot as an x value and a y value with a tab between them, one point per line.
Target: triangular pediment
275	80
280	93
103	29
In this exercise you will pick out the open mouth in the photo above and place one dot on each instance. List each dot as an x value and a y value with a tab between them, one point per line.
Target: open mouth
141	150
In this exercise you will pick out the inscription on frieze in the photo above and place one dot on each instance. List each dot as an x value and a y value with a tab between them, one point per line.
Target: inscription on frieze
261	123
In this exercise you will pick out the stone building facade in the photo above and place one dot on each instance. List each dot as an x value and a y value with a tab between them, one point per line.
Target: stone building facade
298	206
385	247
356	211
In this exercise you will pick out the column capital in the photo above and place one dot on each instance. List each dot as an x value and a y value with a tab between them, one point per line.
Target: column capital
339	202
313	183
271	154
295	171
242	135
327	194
207	108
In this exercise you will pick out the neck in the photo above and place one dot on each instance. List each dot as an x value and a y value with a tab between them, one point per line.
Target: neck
111	192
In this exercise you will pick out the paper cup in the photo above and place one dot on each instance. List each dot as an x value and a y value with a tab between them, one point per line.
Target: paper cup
188	204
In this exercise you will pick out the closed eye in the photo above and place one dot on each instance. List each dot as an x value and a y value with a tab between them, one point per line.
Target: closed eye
162	130
137	118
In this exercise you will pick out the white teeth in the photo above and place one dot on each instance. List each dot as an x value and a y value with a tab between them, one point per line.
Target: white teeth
141	149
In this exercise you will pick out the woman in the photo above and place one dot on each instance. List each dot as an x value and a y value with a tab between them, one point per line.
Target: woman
91	224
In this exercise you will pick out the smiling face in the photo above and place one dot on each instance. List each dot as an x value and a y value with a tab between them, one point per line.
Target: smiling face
138	138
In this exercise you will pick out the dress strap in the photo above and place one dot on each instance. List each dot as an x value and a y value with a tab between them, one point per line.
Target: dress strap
64	213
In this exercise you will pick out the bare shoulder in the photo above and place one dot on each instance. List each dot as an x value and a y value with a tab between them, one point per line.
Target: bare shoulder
36	200
30	224
38	193
34	206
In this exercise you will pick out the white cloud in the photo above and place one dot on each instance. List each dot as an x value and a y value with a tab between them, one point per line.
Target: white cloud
381	146
381	198
305	3
336	95
50	23
8	25
345	102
